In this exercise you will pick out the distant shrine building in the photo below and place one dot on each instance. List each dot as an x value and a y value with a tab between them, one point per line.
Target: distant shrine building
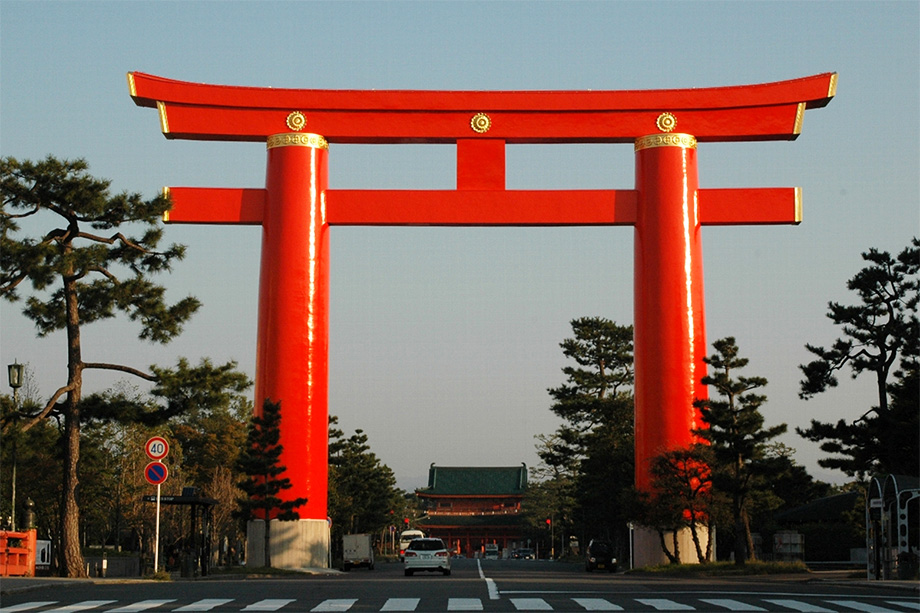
469	507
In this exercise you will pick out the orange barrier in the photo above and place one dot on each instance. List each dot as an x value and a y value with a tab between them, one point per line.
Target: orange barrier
17	553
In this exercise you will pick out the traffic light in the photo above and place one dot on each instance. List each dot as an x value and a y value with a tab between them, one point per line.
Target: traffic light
406	521
549	522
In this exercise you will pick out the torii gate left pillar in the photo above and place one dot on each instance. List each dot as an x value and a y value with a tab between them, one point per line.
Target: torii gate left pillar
296	210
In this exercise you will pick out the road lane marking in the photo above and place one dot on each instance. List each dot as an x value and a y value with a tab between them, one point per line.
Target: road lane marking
206	604
597	604
143	605
531	604
26	606
862	606
269	604
83	606
464	604
731	605
401	604
798	605
907	604
663	604
335	604
490	584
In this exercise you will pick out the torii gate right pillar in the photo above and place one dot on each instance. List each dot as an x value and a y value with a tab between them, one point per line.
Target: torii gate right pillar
670	336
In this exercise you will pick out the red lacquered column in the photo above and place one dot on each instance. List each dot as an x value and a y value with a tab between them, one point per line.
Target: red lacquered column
670	340
293	334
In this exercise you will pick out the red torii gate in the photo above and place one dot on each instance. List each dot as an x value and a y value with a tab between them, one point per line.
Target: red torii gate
296	209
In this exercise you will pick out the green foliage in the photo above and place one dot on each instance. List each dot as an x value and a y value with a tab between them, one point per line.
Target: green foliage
260	461
363	497
880	333
591	454
93	262
683	496
737	438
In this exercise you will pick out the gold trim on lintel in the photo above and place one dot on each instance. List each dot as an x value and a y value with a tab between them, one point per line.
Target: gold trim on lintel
296	140
832	87
131	88
666	122
798	205
674	139
799	118
164	123
166	212
480	123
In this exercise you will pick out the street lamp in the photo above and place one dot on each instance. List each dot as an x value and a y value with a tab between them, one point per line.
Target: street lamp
15	374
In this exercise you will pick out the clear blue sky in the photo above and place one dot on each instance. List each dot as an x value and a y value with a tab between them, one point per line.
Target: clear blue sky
444	341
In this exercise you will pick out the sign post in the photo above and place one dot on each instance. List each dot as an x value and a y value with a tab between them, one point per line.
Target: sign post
156	472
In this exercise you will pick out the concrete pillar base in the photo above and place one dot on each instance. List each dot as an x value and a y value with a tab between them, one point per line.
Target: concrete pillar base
302	543
647	546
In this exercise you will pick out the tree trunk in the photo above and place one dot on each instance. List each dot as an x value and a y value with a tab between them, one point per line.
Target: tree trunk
72	564
267	554
664	547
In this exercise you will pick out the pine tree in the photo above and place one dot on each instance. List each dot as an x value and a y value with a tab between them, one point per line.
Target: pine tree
736	436
881	336
261	462
85	268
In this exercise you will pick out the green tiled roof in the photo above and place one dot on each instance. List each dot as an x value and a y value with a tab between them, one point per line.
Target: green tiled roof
475	481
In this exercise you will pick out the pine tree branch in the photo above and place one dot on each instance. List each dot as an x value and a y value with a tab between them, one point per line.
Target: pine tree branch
120	368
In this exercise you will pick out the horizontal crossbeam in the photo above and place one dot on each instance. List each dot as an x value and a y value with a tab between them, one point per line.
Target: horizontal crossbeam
769	111
743	206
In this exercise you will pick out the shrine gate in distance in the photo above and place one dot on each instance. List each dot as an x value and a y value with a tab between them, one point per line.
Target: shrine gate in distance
296	209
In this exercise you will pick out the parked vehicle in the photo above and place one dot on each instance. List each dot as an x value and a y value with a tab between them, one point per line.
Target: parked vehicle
492	552
600	557
358	551
428	554
405	538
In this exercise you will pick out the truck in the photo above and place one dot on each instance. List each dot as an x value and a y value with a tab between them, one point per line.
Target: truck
358	550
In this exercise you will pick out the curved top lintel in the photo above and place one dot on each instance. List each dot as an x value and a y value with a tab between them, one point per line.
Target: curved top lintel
768	111
815	91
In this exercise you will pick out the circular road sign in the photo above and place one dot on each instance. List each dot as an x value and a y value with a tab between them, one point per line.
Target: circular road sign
155	473
157	448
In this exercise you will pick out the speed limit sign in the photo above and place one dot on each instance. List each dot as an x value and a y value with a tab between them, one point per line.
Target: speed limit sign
157	448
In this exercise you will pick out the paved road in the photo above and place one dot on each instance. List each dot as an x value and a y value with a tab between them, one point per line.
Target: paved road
489	586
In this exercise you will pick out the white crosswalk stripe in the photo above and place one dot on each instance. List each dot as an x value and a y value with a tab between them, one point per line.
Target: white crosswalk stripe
143	605
663	604
269	604
798	605
861	606
731	605
597	604
473	604
401	604
86	605
205	604
531	604
464	604
335	604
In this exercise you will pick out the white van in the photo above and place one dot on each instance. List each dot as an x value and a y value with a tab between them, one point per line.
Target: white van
405	538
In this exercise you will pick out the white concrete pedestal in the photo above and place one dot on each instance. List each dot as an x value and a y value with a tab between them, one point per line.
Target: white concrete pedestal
647	546
302	543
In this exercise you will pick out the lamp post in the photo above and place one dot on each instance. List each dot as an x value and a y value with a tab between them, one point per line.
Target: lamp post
15	376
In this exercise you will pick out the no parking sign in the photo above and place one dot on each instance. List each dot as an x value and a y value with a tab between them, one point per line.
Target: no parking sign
156	473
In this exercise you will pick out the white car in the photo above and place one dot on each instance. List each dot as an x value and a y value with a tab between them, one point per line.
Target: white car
427	554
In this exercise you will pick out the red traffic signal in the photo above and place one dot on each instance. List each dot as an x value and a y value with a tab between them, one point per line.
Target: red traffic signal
549	522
